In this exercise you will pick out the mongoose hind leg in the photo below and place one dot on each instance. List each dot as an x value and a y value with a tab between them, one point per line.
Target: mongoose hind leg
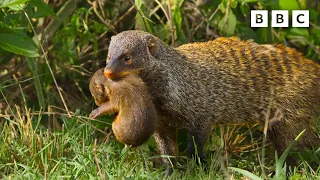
282	134
166	140
197	137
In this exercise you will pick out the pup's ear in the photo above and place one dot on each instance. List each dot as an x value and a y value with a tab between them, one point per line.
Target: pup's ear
152	45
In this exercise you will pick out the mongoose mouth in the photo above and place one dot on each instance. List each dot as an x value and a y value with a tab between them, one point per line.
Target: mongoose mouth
108	73
111	75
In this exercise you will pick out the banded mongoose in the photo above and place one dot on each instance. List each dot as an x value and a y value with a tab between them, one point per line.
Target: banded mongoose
136	120
221	81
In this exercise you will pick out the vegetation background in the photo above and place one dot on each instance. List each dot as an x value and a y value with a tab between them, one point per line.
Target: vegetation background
48	51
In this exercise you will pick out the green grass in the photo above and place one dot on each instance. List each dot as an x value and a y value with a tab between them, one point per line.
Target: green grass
81	151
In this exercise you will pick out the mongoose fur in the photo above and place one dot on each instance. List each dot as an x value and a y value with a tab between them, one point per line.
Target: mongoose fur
136	120
223	81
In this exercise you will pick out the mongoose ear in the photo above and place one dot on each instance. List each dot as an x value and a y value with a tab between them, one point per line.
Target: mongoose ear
152	45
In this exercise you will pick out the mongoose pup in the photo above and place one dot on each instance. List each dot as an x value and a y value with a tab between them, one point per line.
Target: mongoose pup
136	120
222	81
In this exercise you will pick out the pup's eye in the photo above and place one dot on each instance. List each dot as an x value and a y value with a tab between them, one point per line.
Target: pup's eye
127	58
108	58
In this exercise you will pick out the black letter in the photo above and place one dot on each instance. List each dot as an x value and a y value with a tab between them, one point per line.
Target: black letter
298	18
279	17
259	17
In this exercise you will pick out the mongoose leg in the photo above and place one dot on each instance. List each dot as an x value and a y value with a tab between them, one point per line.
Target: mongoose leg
196	139
166	139
282	134
105	108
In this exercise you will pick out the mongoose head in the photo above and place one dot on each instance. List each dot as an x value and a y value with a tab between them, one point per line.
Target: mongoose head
98	88
129	52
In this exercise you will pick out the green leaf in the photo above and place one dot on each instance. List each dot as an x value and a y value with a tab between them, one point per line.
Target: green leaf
85	26
232	22
289	4
17	7
11	20
233	3
244	9
18	44
7	3
228	26
313	14
302	4
138	3
246	173
248	1
298	32
44	7
245	32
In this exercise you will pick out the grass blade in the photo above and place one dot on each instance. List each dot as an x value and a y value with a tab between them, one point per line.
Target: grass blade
283	157
246	173
37	83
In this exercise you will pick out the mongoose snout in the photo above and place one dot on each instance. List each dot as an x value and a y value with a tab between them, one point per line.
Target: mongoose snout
108	73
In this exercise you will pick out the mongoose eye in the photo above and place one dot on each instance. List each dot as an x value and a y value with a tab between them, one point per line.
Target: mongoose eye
108	58
127	58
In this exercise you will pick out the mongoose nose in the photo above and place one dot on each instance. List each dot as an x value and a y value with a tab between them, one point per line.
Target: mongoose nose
108	73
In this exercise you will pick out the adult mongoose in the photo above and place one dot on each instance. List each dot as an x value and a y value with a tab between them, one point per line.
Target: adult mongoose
222	81
136	120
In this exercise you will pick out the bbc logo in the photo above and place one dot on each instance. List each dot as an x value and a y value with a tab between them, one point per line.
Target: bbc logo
279	18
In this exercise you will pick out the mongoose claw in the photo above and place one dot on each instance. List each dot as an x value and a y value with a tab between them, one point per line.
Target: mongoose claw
95	113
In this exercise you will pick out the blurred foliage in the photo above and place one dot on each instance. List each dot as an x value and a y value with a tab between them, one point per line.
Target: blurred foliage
53	46
74	36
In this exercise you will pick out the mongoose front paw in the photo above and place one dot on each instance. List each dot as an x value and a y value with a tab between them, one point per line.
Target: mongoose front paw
95	113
